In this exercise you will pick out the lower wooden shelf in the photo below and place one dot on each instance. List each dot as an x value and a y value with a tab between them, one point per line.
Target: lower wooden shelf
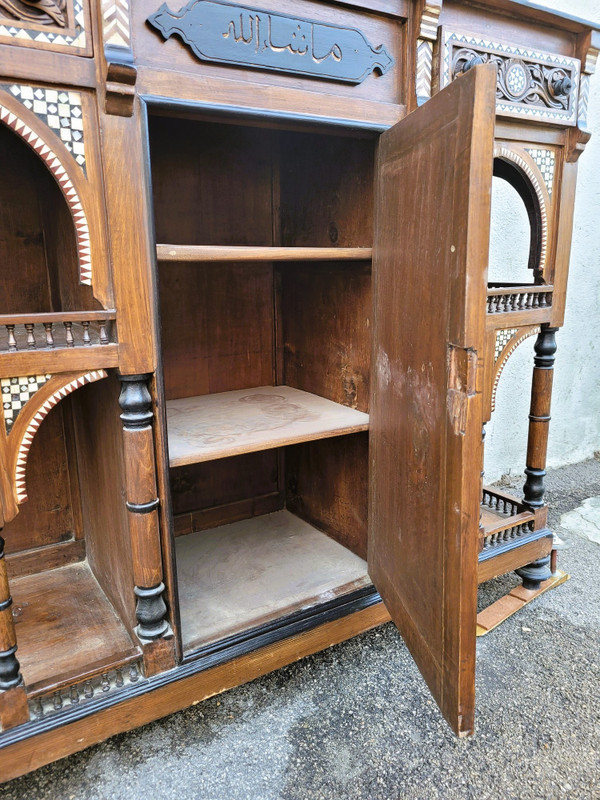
215	426
245	574
66	628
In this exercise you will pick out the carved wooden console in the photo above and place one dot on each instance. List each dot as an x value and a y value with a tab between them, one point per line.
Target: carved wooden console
247	342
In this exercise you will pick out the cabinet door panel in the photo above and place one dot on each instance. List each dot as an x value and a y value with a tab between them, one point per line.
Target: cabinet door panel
432	219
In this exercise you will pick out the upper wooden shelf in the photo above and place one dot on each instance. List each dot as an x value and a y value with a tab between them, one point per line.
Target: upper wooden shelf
244	421
187	252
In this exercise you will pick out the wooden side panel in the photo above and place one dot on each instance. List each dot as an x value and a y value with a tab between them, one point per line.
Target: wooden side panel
101	471
431	248
327	311
327	485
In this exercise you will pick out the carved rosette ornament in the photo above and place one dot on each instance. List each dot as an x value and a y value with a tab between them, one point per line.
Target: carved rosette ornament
530	83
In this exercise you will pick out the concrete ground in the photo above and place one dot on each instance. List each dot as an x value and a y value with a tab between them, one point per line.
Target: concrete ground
357	721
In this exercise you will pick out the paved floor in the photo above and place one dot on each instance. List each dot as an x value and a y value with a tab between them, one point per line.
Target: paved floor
357	720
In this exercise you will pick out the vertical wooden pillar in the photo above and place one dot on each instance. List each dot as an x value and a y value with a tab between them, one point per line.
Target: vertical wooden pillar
537	444
13	698
142	504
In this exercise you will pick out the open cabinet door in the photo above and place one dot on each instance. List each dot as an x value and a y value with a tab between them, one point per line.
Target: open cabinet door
430	256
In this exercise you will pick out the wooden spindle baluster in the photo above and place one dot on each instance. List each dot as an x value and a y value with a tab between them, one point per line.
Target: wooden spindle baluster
86	333
104	337
537	444
49	334
12	342
13	698
153	628
69	333
30	335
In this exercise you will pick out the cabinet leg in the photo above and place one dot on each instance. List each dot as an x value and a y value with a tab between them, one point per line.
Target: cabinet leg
142	504
537	444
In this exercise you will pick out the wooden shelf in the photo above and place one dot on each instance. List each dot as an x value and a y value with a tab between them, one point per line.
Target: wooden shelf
241	575
66	627
176	252
231	423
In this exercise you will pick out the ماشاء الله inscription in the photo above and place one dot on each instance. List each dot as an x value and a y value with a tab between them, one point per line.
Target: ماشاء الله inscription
242	36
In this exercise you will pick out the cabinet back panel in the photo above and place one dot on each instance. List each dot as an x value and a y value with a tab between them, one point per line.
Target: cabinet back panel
37	237
217	327
326	311
326	190
47	517
227	480
211	182
24	280
327	485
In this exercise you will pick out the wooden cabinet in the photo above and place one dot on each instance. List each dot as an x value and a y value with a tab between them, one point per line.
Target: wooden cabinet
254	330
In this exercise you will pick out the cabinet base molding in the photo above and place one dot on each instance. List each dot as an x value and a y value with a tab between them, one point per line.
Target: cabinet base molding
39	742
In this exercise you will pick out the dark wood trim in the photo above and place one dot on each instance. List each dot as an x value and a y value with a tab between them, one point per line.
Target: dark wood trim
512	544
261	115
271	632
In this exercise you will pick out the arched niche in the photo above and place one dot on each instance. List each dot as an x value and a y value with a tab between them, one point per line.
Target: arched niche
517	235
38	245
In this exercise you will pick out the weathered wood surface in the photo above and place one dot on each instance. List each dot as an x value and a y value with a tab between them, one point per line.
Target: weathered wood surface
430	257
231	423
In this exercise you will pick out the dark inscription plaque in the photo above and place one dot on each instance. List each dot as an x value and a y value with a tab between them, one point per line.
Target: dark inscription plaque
249	37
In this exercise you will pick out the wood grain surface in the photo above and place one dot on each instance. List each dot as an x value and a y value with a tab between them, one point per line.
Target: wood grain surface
231	423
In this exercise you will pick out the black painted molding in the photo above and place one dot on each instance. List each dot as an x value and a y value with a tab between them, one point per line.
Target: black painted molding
205	659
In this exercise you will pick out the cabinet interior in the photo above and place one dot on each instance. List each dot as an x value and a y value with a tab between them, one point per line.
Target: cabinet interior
266	360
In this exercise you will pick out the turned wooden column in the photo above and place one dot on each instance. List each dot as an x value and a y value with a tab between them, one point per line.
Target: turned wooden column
13	699
142	505
537	444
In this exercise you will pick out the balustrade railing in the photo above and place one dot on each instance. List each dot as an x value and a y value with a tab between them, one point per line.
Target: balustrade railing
48	331
503	299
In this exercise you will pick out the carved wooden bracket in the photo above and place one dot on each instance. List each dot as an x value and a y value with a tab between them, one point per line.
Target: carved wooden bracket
120	88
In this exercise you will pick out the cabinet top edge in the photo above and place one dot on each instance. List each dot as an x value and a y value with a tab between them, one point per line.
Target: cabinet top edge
537	12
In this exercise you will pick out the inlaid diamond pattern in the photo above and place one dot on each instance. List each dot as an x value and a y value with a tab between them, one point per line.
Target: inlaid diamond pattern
545	160
60	110
16	392
503	337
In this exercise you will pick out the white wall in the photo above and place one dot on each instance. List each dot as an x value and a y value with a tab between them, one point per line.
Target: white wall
575	426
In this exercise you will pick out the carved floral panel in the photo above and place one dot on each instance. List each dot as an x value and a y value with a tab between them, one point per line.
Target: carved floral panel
531	83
